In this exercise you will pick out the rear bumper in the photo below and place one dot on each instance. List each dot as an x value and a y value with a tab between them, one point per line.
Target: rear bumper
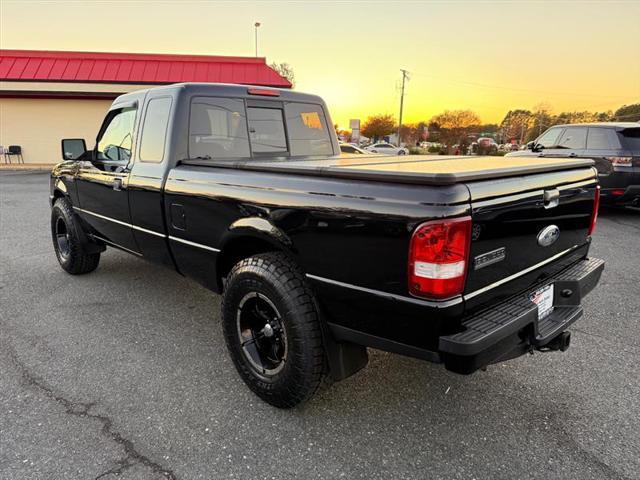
511	328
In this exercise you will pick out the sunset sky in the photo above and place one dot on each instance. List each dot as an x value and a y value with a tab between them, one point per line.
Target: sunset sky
486	56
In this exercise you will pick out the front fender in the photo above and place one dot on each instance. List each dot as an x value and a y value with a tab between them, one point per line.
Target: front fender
62	177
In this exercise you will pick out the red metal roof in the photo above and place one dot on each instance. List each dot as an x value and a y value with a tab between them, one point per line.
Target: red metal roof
138	68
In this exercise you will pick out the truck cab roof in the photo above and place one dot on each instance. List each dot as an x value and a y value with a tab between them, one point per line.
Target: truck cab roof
227	90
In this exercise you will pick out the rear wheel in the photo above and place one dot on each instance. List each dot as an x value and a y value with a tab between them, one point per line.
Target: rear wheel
272	329
401	152
67	240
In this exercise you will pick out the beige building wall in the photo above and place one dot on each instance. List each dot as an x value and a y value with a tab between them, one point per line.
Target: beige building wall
38	125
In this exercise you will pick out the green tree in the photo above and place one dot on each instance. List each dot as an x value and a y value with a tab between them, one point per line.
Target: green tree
455	125
377	126
514	125
542	118
627	113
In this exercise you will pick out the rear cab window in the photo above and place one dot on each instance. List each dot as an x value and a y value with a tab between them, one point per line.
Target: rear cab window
308	132
266	129
232	128
218	129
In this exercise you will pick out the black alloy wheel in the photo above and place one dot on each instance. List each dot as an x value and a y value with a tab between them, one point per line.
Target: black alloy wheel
262	334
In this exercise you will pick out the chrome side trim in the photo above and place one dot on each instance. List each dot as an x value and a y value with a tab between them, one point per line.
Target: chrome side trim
145	230
94	214
119	222
113	244
393	296
194	244
519	274
150	232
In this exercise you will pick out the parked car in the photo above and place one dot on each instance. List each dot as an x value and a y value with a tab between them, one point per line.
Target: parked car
486	146
348	148
241	188
430	145
614	146
387	149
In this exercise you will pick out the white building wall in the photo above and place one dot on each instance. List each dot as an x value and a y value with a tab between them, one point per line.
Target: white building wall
38	125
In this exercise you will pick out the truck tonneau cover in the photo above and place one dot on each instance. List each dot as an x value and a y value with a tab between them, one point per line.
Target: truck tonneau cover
416	169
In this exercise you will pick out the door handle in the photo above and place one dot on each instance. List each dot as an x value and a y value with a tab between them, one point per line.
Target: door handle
573	155
117	184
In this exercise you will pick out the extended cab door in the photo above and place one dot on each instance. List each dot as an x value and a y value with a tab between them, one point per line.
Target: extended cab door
102	182
148	175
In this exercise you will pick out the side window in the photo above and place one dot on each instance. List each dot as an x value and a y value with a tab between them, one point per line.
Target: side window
154	130
599	139
218	128
117	139
307	127
266	129
347	149
573	138
549	139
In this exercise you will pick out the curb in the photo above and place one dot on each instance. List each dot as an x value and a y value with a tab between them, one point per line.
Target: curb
34	167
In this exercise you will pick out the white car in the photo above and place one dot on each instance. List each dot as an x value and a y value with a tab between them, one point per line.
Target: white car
386	149
348	149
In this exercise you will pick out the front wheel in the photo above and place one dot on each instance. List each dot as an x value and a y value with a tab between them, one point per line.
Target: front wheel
272	329
67	240
402	152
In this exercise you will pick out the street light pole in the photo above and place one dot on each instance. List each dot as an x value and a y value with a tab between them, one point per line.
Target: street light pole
256	25
405	76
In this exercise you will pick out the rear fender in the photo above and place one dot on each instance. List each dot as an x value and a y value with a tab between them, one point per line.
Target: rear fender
249	236
246	237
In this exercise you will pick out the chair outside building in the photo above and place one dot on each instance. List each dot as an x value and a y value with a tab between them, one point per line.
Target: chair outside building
15	151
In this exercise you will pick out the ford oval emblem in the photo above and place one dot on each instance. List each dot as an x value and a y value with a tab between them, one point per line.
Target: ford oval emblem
548	235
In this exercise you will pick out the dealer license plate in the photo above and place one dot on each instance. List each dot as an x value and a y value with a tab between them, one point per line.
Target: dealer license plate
543	298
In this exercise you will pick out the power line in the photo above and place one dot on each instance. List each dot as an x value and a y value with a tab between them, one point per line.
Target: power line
500	87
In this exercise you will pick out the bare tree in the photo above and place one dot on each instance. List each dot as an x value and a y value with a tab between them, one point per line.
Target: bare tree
285	70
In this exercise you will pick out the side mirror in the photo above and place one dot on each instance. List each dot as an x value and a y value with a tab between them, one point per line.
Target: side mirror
73	148
531	145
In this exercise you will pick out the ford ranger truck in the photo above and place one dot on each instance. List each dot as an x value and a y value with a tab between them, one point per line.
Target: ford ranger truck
460	261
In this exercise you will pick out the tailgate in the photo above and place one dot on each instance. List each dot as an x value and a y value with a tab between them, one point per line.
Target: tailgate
524	228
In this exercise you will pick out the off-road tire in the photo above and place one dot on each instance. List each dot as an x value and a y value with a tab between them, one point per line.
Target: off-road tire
76	260
277	278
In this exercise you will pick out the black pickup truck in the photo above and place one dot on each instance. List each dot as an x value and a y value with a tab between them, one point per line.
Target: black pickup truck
460	261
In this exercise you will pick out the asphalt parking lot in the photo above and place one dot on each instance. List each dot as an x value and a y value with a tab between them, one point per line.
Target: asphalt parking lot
123	373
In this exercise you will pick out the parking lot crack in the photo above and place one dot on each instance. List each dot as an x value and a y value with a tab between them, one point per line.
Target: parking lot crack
83	410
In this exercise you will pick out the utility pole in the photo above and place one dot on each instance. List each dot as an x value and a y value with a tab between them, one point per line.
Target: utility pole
256	25
405	76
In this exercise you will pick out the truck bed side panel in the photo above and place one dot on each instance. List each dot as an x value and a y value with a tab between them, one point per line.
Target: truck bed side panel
350	234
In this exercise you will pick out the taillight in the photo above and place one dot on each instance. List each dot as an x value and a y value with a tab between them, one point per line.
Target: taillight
620	161
594	213
265	92
438	258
